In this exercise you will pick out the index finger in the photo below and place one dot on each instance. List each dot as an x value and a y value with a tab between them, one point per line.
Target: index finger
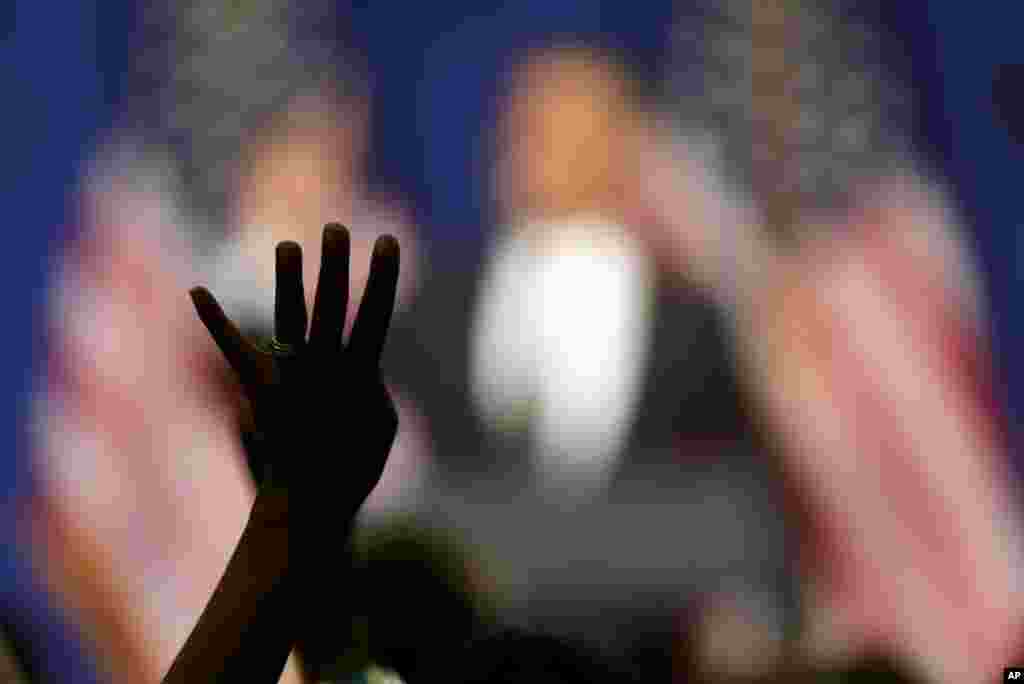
240	353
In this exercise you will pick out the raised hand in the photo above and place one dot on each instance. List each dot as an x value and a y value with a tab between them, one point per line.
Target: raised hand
324	420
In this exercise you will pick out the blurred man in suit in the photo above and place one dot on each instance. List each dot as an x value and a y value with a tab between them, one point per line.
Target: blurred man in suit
570	379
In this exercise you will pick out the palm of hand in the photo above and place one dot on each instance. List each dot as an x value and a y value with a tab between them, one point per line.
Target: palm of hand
325	419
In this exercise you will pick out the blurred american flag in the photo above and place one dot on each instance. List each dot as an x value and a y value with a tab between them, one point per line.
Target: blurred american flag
876	369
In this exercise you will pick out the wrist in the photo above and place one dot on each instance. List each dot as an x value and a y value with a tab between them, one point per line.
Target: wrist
272	508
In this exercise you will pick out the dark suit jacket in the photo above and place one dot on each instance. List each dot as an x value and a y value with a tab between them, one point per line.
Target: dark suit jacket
689	395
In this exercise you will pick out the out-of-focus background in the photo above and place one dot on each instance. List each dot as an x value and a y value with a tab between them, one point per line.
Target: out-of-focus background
704	351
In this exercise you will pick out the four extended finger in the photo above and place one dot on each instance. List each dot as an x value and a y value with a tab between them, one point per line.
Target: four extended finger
331	300
370	329
289	299
239	352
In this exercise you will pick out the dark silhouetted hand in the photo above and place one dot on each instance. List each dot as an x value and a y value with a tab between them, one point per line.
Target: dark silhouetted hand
324	420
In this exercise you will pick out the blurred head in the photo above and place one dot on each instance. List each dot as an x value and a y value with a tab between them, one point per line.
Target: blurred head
214	79
422	601
567	133
305	160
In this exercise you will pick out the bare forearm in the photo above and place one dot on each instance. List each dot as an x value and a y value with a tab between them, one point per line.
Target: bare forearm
304	391
326	601
245	632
